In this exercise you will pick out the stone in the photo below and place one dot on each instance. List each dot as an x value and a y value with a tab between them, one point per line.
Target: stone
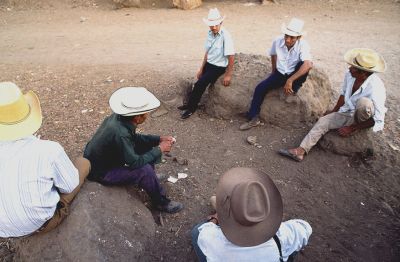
187	4
362	142
105	224
312	100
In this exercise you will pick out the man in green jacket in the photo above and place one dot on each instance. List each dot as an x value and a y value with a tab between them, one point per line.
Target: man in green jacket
120	156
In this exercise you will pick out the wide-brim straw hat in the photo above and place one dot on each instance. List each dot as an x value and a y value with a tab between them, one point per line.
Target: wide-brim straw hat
20	114
213	18
131	101
249	206
294	28
366	60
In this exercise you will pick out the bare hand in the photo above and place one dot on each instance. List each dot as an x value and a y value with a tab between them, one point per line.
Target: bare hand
212	216
346	130
167	138
199	74
288	88
165	146
227	80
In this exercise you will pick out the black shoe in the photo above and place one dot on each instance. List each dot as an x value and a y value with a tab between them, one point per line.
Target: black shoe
183	107
171	207
186	114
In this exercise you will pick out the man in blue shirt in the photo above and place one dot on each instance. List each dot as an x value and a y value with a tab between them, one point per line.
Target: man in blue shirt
218	59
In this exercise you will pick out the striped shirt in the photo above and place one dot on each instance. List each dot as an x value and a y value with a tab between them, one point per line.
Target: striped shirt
32	171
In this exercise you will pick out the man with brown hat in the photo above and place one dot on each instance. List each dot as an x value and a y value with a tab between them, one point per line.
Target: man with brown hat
218	60
121	156
361	103
290	61
38	180
248	223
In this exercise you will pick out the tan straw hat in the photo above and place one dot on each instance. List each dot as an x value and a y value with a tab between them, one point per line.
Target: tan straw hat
294	28
20	115
249	206
214	17
365	59
131	101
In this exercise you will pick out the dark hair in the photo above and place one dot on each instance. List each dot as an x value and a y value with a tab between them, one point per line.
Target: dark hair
128	118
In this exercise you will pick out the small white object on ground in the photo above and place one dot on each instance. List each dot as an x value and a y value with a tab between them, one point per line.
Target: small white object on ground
182	175
172	179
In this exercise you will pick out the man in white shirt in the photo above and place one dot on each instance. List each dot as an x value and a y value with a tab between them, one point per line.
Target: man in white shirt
38	180
361	103
218	60
291	62
248	223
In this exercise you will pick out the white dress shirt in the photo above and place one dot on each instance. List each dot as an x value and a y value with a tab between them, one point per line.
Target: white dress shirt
288	59
372	88
31	172
219	47
292	234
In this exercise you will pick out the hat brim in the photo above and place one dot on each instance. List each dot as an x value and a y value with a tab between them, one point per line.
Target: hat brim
289	32
28	126
351	54
248	235
116	101
214	22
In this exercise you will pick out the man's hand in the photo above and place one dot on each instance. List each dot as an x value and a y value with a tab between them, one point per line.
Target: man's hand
346	131
165	146
199	74
288	88
167	138
227	80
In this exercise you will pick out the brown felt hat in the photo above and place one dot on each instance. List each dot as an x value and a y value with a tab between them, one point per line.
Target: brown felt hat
249	206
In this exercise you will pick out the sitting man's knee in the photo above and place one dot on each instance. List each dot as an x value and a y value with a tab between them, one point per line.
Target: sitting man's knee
364	109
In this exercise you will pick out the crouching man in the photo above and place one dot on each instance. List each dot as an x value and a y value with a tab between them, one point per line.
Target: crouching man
121	156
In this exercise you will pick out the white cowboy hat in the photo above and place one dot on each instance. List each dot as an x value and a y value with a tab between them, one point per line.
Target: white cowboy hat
366	60
214	17
131	101
249	206
20	115
294	28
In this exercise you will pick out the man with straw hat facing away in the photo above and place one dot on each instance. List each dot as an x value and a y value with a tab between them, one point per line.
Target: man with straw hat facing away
38	180
291	62
248	223
121	156
361	103
218	60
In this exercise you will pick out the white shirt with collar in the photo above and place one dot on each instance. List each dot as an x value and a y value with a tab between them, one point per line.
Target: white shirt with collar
293	236
288	59
372	88
31	172
219	47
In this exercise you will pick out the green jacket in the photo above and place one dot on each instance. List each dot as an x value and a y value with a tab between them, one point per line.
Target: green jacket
116	144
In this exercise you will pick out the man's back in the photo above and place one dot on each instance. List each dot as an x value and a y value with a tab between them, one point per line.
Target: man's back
31	171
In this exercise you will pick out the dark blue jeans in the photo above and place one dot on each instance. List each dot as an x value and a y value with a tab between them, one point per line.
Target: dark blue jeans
145	177
273	81
195	235
210	75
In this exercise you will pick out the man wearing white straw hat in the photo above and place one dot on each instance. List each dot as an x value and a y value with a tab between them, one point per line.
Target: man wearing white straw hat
121	156
38	180
248	223
361	103
291	62
218	60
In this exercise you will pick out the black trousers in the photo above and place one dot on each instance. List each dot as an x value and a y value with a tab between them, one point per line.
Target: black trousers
210	75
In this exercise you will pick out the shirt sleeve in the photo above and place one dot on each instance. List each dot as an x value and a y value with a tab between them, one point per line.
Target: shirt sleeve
293	235
207	44
148	139
272	51
66	176
228	44
134	160
305	53
345	83
378	99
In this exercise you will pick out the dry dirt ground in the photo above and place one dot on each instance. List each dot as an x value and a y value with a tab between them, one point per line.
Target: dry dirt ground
75	54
